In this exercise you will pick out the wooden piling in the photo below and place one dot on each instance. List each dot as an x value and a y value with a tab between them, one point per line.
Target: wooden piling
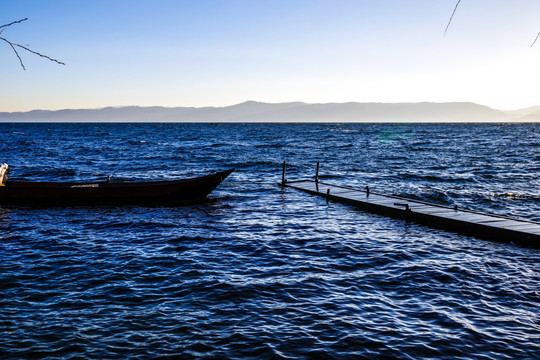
283	174
317	176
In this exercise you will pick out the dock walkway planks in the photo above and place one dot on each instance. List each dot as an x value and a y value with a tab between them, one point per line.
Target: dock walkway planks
490	227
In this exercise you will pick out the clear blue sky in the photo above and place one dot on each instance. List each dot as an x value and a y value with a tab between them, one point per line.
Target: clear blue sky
223	52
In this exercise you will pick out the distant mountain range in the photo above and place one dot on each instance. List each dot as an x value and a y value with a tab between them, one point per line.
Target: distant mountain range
252	111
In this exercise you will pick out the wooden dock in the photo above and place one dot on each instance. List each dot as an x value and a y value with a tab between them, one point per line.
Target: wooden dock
490	227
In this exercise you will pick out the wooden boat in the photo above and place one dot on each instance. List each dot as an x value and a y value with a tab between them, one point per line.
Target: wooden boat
52	193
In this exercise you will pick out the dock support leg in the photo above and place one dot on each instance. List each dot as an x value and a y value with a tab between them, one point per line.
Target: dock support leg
317	176
283	174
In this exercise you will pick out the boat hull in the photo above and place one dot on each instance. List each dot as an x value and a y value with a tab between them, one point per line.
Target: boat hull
191	189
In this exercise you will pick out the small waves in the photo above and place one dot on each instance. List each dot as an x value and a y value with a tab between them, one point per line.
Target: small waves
265	273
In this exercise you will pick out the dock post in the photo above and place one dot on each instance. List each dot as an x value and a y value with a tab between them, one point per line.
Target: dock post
327	194
407	213
283	174
367	190
407	210
317	177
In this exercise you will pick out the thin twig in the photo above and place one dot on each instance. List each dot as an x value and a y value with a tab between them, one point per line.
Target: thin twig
451	17
14	50
36	53
538	35
15	22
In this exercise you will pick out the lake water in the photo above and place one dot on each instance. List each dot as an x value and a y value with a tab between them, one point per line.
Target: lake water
264	273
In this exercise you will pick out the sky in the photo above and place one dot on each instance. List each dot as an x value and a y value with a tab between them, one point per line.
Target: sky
197	53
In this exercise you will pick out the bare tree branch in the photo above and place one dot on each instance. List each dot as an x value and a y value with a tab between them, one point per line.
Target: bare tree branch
15	22
14	45
534	42
14	50
34	52
451	17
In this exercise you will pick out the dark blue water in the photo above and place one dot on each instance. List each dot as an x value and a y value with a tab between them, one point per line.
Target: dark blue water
258	272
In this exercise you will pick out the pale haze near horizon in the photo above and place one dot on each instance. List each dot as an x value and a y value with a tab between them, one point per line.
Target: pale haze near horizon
219	53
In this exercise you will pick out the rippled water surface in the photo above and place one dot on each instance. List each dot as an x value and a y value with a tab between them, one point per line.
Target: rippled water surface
264	273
